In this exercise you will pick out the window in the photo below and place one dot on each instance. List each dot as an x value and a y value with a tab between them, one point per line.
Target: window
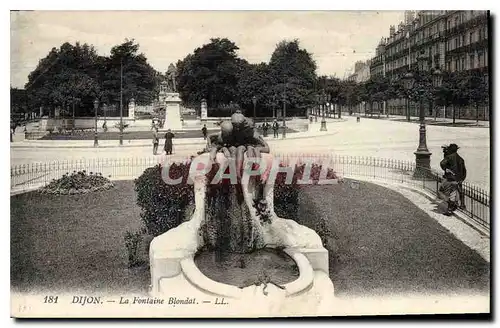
462	67
480	59
456	43
471	62
471	37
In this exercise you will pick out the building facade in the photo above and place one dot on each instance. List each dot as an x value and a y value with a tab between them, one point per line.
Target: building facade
361	72
448	40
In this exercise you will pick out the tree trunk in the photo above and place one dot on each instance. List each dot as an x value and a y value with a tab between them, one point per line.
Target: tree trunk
73	123
477	114
453	111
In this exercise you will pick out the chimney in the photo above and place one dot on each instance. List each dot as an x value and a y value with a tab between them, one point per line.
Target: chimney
392	30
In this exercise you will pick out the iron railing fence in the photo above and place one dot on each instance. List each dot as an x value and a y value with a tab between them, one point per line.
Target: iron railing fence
477	200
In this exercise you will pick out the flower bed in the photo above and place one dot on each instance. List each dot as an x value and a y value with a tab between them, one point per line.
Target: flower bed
79	182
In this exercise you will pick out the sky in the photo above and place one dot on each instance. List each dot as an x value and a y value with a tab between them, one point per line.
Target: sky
336	39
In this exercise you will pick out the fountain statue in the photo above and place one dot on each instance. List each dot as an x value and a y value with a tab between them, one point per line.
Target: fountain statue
234	214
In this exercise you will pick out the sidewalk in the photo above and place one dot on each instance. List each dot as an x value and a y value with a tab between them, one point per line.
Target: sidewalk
313	132
431	120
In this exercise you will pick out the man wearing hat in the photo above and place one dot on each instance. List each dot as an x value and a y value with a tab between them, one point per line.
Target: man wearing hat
454	167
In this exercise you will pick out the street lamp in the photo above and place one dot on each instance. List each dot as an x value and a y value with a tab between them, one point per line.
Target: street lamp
324	99
254	100
422	155
437	80
408	81
96	106
318	102
284	110
121	102
275	96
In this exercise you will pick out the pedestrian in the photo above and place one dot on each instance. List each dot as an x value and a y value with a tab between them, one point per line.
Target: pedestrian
276	126
156	141
456	165
265	127
168	142
204	131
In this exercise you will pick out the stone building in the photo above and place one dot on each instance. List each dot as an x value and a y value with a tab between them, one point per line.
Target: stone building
361	72
448	39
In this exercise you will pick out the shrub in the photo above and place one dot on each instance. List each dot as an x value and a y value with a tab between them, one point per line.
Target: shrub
77	183
166	206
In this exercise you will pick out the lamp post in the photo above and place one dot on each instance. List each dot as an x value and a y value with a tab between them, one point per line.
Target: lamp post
318	102
96	106
437	80
254	101
339	108
324	99
275	96
284	111
414	81
121	101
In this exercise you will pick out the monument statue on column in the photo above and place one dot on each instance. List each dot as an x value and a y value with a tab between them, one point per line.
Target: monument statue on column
171	100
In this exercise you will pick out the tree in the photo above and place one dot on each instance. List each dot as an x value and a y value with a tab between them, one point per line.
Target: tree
255	80
18	101
65	76
476	89
293	74
139	77
211	72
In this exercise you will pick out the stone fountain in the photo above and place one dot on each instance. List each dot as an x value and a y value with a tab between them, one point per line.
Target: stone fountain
235	213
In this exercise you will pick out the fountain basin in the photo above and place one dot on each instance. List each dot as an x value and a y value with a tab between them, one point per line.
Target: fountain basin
175	273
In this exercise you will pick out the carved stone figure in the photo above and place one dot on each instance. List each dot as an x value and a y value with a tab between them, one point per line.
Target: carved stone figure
171	76
236	138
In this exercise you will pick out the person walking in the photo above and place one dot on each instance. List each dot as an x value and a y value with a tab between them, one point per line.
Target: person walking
168	141
455	164
265	128
276	126
204	131
156	141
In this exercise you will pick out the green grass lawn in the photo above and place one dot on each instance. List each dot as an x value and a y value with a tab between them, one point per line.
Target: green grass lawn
384	244
75	243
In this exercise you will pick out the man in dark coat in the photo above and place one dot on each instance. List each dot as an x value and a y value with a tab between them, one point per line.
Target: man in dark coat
168	142
265	128
454	167
275	128
204	131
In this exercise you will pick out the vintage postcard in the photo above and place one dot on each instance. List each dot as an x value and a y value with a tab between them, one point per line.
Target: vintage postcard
186	164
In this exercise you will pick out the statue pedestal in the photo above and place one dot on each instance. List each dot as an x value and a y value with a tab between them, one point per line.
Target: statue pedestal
173	111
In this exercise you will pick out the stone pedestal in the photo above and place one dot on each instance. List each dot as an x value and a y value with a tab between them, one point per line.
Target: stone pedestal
173	111
131	109
204	110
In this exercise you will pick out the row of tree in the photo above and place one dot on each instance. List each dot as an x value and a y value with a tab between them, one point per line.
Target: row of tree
216	73
464	88
73	76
